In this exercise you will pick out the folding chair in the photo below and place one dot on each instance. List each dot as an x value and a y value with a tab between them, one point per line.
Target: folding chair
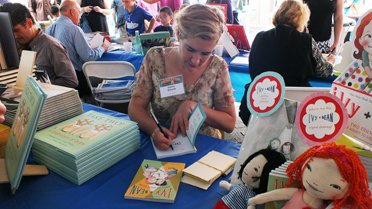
97	71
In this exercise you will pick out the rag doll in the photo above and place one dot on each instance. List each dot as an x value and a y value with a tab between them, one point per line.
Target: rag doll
254	174
326	173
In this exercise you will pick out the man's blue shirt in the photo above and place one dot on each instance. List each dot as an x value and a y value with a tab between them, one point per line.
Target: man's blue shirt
74	39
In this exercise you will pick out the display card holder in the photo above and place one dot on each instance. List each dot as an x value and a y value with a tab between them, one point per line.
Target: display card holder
30	170
26	66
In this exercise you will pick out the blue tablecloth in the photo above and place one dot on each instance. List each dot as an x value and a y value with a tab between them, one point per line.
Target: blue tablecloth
239	74
106	190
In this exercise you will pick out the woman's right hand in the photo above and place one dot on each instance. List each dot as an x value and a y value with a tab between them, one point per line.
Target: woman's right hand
331	59
160	141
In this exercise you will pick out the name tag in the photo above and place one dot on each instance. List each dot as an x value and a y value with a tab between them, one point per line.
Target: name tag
171	86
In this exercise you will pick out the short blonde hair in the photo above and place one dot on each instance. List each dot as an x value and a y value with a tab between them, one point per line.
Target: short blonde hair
292	12
198	20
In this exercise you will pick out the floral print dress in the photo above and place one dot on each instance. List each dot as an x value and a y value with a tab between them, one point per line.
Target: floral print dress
213	88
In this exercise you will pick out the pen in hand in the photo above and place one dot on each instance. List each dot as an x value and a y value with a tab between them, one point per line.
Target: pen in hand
159	126
331	52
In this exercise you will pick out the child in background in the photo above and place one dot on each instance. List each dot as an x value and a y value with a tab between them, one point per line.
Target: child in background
55	12
135	17
165	16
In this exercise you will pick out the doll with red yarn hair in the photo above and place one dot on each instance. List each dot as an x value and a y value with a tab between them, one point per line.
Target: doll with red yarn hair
326	172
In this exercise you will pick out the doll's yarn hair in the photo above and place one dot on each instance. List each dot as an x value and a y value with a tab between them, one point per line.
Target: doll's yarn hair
274	160
350	167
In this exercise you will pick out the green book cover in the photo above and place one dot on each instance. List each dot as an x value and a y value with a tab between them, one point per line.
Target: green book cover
85	132
156	181
23	130
276	180
149	40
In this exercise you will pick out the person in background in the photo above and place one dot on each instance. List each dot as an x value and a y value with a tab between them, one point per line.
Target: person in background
135	17
166	15
173	4
153	9
94	12
118	14
4	1
55	12
40	9
229	13
205	77
51	54
287	50
65	29
320	25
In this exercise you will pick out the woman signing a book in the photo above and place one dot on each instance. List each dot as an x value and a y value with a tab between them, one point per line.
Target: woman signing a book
173	80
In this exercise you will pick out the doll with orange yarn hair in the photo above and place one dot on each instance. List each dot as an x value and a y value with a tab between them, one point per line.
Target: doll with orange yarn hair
326	172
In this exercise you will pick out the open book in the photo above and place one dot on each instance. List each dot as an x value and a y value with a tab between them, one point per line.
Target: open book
184	145
206	170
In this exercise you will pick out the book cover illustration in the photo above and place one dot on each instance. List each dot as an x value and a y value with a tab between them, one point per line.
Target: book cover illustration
23	130
83	132
277	180
239	36
184	145
149	40
156	181
353	86
280	135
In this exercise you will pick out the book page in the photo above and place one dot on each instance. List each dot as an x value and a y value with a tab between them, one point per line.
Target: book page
196	119
218	161
96	41
181	145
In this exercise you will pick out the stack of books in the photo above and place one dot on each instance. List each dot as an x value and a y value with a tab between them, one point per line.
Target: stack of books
114	89
277	180
83	146
62	103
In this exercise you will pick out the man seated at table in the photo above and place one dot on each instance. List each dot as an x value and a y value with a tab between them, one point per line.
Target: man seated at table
72	36
51	55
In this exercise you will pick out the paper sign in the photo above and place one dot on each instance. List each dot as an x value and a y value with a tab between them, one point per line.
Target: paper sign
321	117
265	94
171	86
96	41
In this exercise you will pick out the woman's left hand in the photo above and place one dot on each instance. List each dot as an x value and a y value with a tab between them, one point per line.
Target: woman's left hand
98	9
181	118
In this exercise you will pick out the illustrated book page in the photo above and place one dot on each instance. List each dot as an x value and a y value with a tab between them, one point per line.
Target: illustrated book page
184	145
156	181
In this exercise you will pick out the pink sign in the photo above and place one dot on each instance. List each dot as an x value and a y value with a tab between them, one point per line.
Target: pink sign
321	117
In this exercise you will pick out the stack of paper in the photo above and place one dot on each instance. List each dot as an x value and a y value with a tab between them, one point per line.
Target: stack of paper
205	171
114	89
62	103
83	146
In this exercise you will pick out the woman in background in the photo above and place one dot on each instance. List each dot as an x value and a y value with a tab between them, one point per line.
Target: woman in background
320	25
96	16
205	77
287	50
